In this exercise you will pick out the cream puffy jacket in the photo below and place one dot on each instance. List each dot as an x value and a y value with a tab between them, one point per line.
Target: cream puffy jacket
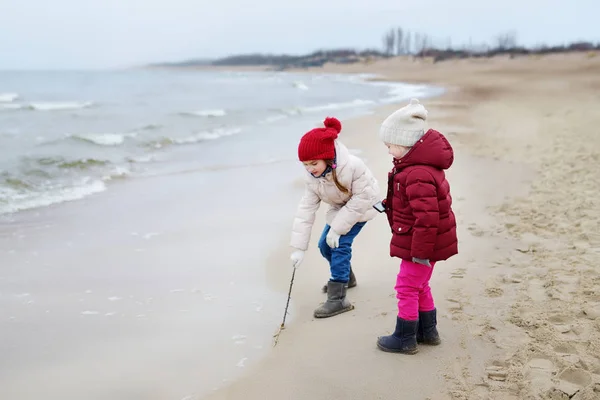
345	210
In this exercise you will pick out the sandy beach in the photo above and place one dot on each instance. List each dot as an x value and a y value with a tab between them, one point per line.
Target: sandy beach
518	308
138	292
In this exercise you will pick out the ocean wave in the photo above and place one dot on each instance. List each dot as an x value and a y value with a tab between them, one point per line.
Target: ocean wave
8	97
142	159
300	85
150	127
19	199
101	139
206	113
11	106
196	138
273	118
337	106
62	163
398	92
83	164
58	106
119	172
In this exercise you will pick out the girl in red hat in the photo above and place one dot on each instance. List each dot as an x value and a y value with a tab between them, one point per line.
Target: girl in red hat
343	181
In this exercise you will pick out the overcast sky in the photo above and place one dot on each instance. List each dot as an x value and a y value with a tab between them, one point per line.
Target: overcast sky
50	34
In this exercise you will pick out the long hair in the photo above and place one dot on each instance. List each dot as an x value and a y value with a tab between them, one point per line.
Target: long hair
341	187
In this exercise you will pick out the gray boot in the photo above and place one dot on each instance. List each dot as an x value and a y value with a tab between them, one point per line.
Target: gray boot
351	283
336	301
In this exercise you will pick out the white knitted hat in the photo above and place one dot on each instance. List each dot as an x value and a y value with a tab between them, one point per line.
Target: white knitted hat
405	126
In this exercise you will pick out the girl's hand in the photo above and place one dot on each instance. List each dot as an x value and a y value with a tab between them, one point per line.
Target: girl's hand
297	258
333	239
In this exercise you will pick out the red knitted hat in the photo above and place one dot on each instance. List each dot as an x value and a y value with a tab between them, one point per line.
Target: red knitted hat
318	143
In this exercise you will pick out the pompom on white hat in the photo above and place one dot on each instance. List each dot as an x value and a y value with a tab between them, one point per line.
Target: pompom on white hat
405	126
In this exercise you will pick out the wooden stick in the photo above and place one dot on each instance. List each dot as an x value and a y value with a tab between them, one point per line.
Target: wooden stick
282	326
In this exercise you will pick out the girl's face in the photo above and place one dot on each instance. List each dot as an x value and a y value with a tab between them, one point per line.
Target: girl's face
397	151
315	167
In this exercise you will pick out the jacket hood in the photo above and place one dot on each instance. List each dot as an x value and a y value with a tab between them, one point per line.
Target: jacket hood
432	149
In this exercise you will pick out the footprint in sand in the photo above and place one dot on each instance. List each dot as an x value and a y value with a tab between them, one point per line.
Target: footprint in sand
592	311
497	371
494	292
567	353
562	323
514	278
455	305
536	291
539	371
475	230
568	327
459	273
572	380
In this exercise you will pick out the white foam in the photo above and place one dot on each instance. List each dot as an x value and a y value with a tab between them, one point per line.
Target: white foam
207	113
399	92
204	136
102	139
338	106
23	201
273	118
143	159
8	97
89	313
300	85
11	106
59	105
117	172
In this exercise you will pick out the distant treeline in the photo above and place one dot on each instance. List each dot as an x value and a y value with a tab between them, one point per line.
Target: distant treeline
315	59
396	42
400	42
448	54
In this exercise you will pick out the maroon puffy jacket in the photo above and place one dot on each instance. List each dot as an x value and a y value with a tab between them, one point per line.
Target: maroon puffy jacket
419	205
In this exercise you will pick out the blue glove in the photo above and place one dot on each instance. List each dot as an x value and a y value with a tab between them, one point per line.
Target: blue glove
422	261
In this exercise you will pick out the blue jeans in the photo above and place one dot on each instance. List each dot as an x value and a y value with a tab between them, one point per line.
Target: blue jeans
339	258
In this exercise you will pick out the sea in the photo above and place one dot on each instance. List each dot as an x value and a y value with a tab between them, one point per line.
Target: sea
65	135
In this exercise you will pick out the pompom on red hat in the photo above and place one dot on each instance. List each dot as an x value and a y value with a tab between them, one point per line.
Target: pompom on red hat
319	143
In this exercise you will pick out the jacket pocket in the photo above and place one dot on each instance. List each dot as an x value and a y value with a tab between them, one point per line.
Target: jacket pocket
399	228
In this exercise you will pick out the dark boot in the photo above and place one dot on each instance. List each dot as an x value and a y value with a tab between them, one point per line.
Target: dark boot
403	340
336	303
427	332
351	282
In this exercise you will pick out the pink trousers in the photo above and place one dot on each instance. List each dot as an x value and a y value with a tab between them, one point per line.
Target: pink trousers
413	291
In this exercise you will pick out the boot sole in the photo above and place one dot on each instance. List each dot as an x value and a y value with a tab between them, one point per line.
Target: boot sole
436	343
407	352
343	310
